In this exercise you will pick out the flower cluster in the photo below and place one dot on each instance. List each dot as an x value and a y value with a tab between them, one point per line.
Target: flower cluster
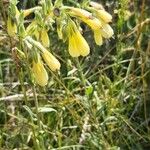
38	69
35	35
98	21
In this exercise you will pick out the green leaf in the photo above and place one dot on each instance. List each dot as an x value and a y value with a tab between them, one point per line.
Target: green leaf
32	115
46	109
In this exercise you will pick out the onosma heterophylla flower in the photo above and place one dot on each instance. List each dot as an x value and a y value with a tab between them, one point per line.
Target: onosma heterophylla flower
36	32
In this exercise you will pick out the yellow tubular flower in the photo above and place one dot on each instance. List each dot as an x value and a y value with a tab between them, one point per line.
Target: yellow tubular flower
104	15
50	60
106	30
98	37
73	50
94	23
86	17
40	74
45	38
78	45
11	27
80	12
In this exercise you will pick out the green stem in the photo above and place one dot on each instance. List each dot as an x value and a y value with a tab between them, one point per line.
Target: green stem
80	72
38	117
36	145
36	105
21	77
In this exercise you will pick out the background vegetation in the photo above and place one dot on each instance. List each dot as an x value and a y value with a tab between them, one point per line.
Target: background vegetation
98	102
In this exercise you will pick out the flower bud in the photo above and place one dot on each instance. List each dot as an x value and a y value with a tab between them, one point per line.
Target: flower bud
50	60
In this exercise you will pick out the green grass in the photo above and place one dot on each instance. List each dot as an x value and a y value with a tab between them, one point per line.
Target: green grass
99	102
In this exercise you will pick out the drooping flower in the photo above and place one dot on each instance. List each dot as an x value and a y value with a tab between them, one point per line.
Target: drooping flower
94	23
106	30
78	12
39	72
50	60
77	44
91	21
100	12
104	15
86	17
